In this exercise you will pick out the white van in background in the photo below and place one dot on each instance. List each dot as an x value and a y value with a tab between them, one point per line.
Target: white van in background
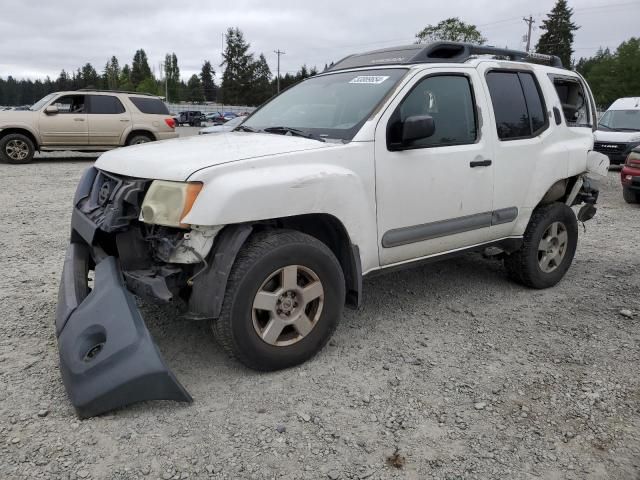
619	130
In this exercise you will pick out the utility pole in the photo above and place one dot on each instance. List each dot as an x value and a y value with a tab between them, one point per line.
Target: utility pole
529	21
278	52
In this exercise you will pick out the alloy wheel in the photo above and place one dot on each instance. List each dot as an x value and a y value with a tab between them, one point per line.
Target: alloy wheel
287	305
16	149
552	247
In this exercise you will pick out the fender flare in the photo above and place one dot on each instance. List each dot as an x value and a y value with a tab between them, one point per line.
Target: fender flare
209	288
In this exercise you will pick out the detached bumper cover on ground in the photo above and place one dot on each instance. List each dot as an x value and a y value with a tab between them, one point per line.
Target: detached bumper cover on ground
107	356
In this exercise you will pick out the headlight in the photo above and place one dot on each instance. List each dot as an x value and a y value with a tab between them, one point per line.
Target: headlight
167	203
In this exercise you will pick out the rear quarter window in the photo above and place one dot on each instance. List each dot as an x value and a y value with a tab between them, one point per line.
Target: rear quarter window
150	105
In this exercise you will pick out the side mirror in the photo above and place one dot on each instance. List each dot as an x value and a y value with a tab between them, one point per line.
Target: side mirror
51	110
417	127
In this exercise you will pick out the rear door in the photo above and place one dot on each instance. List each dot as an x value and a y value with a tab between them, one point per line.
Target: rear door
108	120
68	127
434	194
530	150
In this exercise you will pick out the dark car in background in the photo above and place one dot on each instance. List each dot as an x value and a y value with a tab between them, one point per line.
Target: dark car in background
193	118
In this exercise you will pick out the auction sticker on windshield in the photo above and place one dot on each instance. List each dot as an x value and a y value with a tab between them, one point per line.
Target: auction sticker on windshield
370	79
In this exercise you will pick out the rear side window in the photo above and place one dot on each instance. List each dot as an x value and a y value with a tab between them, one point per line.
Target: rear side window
105	105
150	105
518	105
574	101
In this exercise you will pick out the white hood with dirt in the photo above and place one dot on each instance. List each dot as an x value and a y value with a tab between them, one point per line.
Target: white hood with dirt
179	158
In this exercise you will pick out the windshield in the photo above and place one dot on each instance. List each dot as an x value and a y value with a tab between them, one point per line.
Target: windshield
40	103
621	120
327	106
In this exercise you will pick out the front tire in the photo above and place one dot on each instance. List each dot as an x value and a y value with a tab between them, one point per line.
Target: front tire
16	148
549	245
283	300
630	196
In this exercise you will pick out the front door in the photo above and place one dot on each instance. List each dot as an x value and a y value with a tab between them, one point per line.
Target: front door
108	120
67	127
434	194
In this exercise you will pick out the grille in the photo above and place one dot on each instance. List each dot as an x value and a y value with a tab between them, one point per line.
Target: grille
609	147
114	201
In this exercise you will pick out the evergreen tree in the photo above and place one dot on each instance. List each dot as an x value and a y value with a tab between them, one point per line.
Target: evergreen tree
208	83
238	73
262	89
111	77
195	92
63	82
558	36
140	68
172	77
125	79
90	78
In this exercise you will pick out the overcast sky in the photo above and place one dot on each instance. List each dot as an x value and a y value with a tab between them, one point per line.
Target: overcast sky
40	37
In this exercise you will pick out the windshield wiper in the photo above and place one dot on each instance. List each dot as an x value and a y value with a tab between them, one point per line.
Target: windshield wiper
627	129
293	131
244	128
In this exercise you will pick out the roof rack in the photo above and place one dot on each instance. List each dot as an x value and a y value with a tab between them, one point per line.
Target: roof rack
115	91
440	52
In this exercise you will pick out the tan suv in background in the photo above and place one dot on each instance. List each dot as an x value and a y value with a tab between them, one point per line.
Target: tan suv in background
83	120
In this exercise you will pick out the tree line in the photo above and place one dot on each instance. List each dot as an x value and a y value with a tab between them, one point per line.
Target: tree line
246	79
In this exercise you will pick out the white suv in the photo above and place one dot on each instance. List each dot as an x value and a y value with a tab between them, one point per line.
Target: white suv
390	158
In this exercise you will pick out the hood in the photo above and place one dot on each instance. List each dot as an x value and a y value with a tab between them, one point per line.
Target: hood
616	137
15	117
178	158
215	129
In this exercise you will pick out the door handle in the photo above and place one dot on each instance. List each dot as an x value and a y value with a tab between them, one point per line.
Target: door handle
78	119
480	163
124	120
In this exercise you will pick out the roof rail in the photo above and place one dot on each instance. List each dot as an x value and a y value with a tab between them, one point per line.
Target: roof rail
115	91
440	52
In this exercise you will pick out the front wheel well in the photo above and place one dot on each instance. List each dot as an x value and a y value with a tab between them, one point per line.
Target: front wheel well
21	131
330	231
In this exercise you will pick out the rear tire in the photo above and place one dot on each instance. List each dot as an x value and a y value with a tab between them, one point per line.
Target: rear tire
139	139
549	245
283	300
16	148
630	196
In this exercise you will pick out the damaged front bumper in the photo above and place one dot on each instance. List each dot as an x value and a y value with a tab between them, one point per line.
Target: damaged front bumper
107	356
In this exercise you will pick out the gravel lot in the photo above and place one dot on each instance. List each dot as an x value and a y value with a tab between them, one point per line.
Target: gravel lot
449	371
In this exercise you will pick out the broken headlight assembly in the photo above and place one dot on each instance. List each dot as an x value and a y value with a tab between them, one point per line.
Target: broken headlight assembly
167	203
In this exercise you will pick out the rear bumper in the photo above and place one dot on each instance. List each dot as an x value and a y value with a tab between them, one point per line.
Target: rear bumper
166	135
107	356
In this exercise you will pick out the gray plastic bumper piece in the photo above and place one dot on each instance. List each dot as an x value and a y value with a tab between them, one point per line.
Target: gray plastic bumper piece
107	356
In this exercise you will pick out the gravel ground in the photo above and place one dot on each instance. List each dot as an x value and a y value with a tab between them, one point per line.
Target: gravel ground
448	371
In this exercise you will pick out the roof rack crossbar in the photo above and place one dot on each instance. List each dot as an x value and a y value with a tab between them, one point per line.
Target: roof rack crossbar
440	52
